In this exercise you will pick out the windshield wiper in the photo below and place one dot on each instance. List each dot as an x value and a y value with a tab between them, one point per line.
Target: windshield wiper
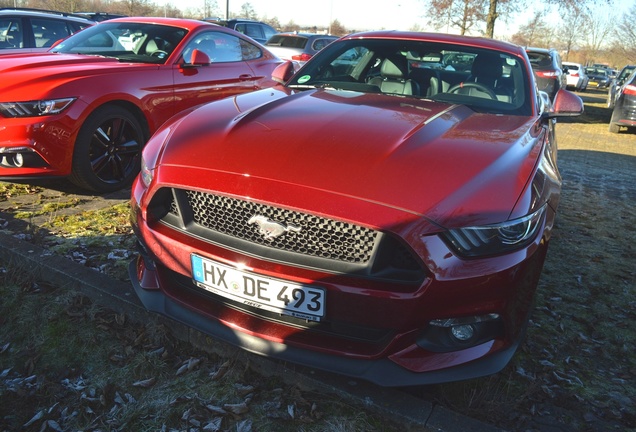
302	86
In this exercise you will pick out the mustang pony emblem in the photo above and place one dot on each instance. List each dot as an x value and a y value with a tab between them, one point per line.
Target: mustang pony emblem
270	229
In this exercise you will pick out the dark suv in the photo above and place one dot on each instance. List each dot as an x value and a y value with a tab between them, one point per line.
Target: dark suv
548	70
617	84
624	112
98	16
35	30
259	31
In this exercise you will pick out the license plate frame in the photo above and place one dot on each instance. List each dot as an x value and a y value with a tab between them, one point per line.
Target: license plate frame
262	292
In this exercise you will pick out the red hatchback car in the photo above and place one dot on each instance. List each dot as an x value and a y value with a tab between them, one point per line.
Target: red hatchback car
379	215
85	109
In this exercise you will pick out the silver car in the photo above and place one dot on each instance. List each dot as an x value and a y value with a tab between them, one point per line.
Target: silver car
298	47
575	76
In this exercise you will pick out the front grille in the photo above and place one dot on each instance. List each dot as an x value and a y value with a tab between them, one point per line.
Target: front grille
308	240
319	237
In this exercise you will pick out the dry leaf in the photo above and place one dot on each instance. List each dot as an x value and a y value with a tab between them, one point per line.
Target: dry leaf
223	369
145	383
238	409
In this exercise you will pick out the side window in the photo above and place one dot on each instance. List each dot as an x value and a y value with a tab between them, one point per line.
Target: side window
254	31
220	47
351	60
241	28
269	32
250	51
320	44
75	27
47	32
11	34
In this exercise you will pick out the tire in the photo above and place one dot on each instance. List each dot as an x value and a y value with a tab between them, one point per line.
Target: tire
614	128
107	152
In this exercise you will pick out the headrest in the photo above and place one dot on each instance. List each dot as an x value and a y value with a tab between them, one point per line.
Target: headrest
151	46
391	69
487	66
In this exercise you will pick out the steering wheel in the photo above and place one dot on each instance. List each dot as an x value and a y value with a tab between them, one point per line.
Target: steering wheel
491	94
159	53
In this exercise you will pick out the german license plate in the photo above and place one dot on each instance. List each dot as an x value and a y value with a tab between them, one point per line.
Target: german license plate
274	295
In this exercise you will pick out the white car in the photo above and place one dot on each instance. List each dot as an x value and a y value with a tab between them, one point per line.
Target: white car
575	75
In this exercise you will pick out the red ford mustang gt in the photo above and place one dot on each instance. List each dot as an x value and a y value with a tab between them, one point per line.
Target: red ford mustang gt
383	214
86	108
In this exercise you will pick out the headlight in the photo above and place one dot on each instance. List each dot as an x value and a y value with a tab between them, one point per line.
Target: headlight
495	239
35	108
146	173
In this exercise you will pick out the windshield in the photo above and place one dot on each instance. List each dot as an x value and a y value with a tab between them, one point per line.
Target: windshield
126	41
487	81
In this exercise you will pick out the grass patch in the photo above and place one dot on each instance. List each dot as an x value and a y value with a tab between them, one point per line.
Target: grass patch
67	362
9	190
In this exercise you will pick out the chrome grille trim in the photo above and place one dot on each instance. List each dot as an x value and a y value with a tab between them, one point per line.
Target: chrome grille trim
318	237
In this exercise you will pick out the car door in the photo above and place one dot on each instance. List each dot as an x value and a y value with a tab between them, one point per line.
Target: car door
227	74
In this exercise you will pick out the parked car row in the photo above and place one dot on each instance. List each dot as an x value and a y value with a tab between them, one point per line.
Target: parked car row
624	102
85	109
552	74
384	212
28	30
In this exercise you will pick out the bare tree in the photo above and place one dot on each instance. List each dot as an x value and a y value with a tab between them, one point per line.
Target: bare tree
569	33
291	26
60	5
335	28
625	35
598	28
501	8
211	8
138	7
460	14
274	22
247	11
536	32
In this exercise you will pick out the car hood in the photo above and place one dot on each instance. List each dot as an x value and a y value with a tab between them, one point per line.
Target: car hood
443	162
40	71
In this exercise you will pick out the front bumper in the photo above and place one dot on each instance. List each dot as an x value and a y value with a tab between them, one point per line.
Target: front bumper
382	371
38	147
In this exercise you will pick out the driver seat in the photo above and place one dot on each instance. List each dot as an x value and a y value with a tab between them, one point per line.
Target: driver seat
393	78
151	47
487	69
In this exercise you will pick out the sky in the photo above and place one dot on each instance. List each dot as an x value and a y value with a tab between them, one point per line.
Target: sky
360	14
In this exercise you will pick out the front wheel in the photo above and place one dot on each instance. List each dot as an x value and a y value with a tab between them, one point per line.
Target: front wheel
107	151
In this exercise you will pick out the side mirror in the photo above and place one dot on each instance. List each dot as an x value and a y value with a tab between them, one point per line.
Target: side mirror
566	104
198	58
283	72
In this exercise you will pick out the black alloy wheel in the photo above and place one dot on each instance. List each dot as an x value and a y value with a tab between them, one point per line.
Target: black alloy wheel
107	153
